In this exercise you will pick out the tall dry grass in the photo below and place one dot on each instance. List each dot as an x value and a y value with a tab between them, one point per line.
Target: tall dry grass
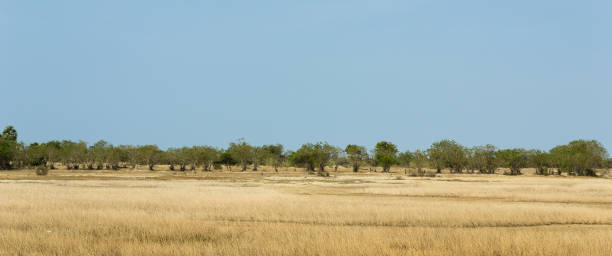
140	213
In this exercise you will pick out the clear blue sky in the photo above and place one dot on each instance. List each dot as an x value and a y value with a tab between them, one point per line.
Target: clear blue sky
531	74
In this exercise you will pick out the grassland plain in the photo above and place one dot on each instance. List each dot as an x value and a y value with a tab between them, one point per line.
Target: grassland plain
141	212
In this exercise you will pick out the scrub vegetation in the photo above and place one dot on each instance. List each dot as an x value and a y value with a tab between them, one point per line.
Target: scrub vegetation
71	198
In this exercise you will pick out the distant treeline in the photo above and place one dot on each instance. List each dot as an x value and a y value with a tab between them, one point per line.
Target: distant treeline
579	157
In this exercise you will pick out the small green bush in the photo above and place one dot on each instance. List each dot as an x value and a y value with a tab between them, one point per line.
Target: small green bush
42	170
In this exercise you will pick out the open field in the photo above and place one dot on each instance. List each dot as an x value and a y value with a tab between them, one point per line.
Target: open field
254	213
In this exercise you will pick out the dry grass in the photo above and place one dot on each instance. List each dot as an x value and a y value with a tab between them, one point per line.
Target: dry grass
221	213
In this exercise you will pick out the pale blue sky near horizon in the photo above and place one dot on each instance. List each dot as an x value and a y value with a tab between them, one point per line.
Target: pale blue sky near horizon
531	74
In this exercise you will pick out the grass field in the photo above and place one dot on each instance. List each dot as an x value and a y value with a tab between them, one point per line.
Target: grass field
291	213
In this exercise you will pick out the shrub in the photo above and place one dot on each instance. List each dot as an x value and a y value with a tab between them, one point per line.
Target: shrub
42	170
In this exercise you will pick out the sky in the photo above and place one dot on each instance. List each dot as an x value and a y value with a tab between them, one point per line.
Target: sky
531	74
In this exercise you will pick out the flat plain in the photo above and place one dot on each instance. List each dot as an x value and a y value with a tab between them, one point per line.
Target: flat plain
139	212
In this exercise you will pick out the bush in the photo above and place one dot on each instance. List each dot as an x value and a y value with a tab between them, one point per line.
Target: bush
323	174
42	170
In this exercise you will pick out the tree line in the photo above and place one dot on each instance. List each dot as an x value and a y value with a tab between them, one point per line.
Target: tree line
579	157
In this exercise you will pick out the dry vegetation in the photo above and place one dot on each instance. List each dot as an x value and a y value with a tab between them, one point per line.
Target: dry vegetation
254	213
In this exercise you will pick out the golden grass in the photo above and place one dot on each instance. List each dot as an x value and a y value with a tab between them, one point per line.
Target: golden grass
289	213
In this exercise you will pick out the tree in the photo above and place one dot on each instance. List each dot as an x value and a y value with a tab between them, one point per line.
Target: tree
404	159
9	133
357	155
8	147
73	153
179	156
259	156
130	154
7	153
227	159
242	152
97	154
35	155
419	158
337	157
515	159
580	157
448	154
482	158
273	155
149	155
114	155
170	157
206	156
541	161
313	155
323	154
436	155
304	156
385	154
53	151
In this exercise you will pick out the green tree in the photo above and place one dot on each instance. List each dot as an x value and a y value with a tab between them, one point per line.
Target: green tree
259	157
227	159
404	159
73	154
242	152
53	152
180	156
541	161
35	154
483	159
96	155
419	158
9	133
273	155
580	157
149	155
323	154
7	153
130	154
114	155
436	154
8	147
304	156
385	154
357	156
314	155
206	156
448	154
170	158
515	159
337	157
